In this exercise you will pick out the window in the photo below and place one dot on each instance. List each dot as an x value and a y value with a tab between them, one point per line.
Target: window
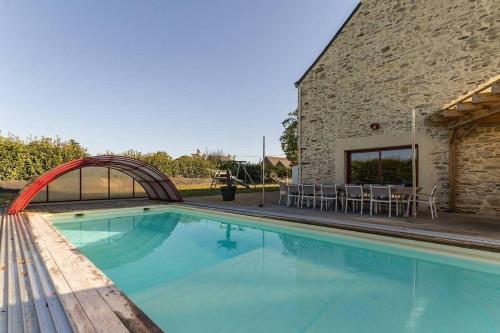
380	166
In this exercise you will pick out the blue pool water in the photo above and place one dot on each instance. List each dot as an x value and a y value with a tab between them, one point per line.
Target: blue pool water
199	272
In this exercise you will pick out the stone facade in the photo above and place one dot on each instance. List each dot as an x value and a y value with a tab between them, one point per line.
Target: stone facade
478	171
393	56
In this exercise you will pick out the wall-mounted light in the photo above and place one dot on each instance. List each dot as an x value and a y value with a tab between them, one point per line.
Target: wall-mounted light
374	126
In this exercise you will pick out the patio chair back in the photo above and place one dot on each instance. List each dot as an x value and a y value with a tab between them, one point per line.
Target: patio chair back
308	189
328	190
380	192
355	191
294	189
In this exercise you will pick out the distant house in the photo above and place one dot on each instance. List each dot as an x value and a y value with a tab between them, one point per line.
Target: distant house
439	57
278	161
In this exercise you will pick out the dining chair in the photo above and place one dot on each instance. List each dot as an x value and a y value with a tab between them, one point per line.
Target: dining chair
429	199
328	193
308	192
354	194
381	195
398	198
293	193
283	192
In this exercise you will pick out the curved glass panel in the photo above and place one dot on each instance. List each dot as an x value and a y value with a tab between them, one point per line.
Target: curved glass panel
94	183
120	184
139	191
41	196
66	187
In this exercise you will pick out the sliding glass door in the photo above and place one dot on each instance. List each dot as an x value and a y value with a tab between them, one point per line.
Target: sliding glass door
380	166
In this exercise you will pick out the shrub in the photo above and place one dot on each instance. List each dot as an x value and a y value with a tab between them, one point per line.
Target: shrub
193	167
27	159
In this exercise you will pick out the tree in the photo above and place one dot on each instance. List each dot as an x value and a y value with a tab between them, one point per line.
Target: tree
161	160
27	159
289	138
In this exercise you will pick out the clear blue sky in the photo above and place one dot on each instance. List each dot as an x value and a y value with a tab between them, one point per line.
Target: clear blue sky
159	75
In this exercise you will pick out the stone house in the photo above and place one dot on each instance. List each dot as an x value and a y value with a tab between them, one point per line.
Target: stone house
439	57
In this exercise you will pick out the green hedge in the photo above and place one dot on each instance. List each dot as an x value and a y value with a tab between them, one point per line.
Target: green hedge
184	166
27	159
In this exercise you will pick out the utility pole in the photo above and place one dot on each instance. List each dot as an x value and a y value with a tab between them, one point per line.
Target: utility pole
263	170
414	162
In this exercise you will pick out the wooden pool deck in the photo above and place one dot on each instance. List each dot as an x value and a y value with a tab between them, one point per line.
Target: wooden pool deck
29	301
48	286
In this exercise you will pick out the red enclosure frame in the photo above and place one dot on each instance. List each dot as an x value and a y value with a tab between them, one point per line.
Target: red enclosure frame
156	184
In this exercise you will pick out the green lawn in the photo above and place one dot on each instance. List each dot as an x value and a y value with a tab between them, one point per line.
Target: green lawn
203	190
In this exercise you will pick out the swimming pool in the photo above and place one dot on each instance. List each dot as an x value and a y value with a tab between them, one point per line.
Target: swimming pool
194	271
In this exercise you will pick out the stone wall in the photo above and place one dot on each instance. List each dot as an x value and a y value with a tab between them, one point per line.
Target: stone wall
390	57
478	171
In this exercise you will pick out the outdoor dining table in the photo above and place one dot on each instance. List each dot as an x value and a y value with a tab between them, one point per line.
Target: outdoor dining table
407	192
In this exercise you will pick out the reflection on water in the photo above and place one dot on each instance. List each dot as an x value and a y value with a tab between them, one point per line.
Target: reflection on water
193	273
123	240
228	243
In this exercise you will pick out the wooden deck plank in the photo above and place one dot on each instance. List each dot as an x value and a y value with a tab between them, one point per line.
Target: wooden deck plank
128	313
30	320
14	312
3	275
102	317
45	321
78	320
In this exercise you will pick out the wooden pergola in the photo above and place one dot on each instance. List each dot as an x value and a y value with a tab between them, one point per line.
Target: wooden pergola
463	115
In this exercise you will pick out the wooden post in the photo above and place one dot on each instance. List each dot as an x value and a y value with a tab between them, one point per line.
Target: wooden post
452	171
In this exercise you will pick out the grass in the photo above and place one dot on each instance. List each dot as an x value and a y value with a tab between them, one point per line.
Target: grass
204	190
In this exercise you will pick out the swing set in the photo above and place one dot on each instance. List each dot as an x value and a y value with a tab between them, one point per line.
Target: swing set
220	176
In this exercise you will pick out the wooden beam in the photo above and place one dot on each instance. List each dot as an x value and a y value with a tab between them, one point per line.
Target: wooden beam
491	119
485	97
469	106
452	169
454	113
474	117
486	85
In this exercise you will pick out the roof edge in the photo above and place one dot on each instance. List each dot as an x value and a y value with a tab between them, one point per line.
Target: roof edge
354	11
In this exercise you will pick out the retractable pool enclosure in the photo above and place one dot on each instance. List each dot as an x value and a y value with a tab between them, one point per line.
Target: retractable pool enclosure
98	177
